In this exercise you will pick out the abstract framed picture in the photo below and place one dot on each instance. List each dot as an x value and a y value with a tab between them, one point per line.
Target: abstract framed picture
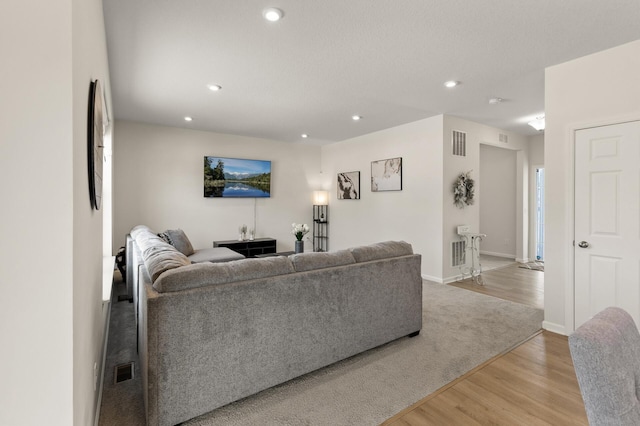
348	186
386	175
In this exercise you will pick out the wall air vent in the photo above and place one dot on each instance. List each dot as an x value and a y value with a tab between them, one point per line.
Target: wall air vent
503	138
458	250
459	143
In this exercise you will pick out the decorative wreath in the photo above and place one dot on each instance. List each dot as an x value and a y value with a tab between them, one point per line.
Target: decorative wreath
463	190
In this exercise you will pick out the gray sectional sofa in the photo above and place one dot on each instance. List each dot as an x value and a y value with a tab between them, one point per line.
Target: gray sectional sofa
213	333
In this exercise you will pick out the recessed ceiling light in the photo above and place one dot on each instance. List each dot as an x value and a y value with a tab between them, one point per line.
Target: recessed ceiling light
538	123
214	87
356	117
451	83
494	101
272	14
188	119
304	135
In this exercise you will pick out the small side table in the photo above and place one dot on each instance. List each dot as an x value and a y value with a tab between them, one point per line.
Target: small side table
473	245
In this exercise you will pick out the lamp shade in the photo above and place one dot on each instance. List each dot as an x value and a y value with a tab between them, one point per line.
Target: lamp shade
320	198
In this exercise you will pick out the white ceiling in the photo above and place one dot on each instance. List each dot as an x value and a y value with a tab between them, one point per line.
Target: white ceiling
327	60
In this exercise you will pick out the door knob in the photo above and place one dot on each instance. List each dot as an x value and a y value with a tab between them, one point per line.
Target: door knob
583	244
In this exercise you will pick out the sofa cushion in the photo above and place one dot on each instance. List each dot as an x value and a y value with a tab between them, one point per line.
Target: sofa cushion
381	251
179	240
162	257
215	254
138	229
146	238
309	261
204	274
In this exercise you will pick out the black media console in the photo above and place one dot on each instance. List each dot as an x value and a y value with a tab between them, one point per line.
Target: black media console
249	248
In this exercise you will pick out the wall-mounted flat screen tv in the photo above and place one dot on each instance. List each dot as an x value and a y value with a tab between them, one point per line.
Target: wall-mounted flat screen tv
235	177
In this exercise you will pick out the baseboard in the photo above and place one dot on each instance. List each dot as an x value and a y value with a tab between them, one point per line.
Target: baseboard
431	278
454	278
447	280
100	384
525	260
554	328
491	253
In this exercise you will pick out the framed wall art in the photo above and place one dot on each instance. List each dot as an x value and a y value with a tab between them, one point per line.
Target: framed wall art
386	175
348	186
236	177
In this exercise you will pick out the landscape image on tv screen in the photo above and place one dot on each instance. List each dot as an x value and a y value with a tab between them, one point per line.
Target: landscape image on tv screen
235	177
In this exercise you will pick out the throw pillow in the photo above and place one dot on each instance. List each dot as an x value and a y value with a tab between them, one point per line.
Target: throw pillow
165	237
179	240
161	258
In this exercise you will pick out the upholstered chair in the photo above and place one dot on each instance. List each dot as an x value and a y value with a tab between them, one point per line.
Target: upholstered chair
606	356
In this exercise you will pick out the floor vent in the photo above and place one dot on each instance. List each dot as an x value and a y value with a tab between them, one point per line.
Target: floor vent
123	372
459	143
458	250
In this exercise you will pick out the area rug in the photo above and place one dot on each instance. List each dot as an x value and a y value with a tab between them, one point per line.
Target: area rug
534	266
461	330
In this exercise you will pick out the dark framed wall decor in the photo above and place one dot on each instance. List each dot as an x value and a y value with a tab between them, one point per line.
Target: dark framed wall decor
95	144
348	186
386	175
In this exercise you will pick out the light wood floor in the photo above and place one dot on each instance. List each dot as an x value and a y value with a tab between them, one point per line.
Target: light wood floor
533	384
512	283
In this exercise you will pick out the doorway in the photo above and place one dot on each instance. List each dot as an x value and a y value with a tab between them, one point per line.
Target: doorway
498	202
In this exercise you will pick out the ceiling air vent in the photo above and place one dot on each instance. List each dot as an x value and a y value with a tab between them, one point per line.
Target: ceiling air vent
459	143
504	138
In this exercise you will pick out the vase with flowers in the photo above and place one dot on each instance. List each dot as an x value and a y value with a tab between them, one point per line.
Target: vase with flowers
299	230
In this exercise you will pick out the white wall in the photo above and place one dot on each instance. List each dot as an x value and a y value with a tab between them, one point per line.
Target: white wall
454	165
89	313
598	89
51	328
413	214
36	183
53	321
159	183
536	149
497	177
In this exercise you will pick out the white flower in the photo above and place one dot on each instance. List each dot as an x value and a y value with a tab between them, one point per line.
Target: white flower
299	230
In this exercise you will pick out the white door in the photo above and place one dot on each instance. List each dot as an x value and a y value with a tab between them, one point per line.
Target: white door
607	220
